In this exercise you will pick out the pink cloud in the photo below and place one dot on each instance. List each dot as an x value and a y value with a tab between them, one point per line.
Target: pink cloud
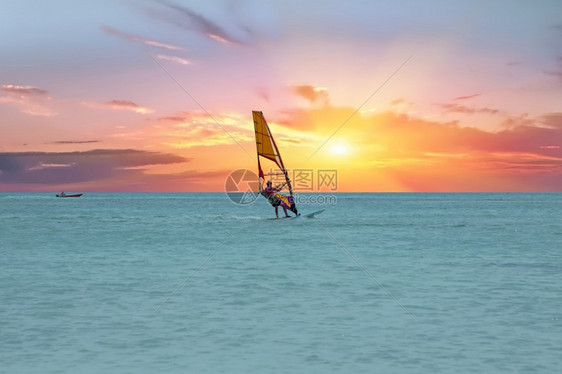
128	105
31	100
465	97
456	108
24	90
176	59
119	105
139	39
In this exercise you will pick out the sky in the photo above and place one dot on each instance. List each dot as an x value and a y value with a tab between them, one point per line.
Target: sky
401	96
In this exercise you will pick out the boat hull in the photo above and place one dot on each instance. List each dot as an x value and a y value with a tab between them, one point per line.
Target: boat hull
75	195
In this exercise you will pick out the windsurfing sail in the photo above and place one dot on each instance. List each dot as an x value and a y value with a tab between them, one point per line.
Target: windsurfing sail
266	148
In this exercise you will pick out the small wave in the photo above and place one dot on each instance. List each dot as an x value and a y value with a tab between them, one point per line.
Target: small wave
247	218
25	197
460	225
225	217
524	265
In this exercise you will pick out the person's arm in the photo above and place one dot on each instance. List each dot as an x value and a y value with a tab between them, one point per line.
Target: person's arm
280	187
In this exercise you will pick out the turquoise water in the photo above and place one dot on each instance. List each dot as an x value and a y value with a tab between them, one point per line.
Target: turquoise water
390	283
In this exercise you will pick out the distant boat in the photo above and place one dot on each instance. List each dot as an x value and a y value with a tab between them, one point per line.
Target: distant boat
62	194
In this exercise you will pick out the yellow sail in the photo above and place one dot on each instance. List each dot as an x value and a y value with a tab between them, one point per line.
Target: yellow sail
264	141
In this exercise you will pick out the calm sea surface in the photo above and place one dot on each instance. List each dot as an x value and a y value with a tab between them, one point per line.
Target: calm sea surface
192	283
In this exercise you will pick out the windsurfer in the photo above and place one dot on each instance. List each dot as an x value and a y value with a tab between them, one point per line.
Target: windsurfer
270	194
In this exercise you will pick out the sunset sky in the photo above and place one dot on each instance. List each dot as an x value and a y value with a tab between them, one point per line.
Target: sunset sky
394	95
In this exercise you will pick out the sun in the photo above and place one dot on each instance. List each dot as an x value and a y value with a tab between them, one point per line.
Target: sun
339	149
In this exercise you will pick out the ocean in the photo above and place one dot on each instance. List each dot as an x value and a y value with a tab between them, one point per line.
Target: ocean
193	283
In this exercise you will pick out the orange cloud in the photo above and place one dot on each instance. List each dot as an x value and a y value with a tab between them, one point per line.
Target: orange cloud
190	129
388	151
397	152
320	120
311	93
456	108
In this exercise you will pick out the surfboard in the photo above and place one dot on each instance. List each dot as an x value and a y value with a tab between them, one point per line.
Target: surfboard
310	215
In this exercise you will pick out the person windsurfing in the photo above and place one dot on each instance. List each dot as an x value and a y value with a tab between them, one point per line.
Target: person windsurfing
270	193
267	150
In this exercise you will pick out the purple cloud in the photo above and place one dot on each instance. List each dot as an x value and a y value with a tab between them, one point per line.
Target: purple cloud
189	19
74	167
